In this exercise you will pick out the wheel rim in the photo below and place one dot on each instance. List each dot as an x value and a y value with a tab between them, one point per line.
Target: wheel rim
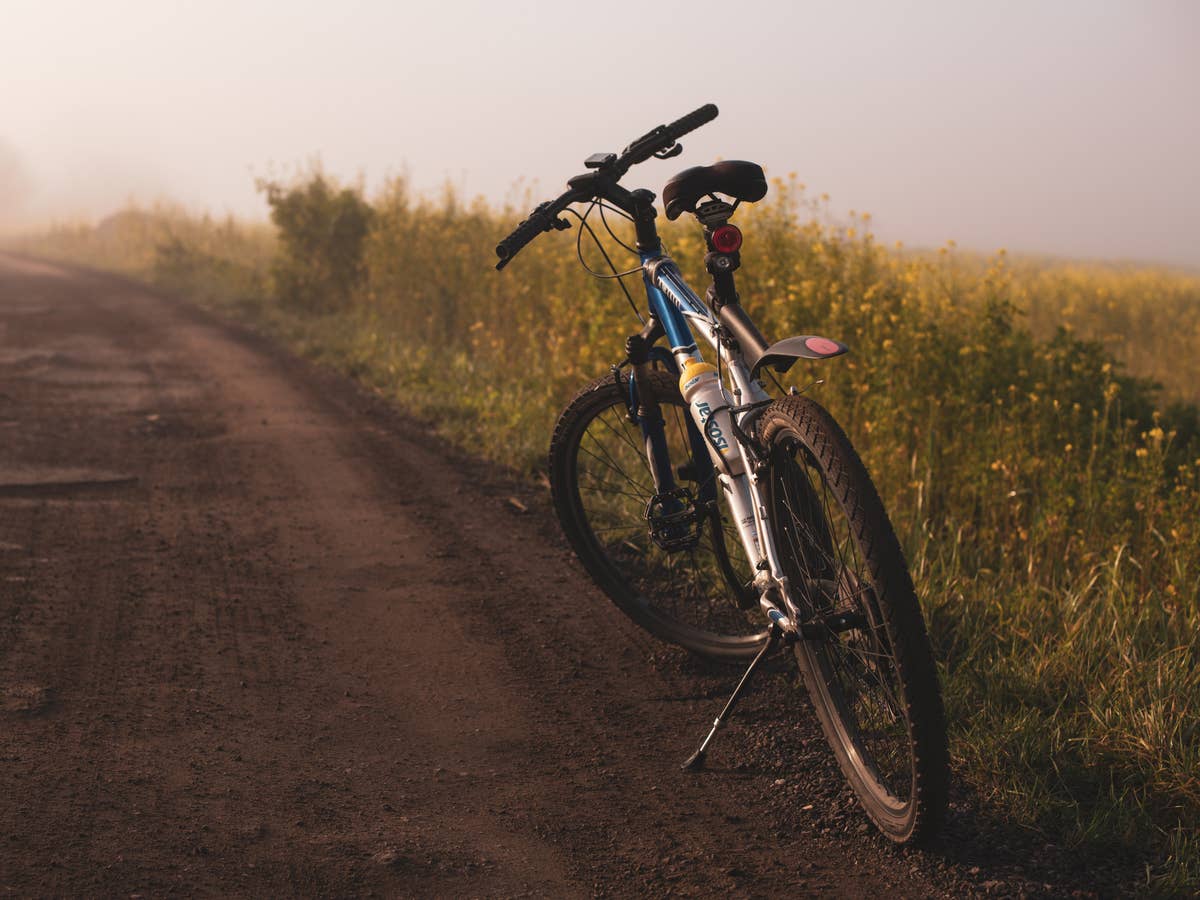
854	669
689	592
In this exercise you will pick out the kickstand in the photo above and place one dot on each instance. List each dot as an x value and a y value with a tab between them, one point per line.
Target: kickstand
696	760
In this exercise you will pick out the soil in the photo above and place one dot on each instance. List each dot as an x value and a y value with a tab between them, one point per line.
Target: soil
262	634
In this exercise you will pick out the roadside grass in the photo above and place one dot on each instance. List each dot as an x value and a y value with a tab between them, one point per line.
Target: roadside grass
1045	487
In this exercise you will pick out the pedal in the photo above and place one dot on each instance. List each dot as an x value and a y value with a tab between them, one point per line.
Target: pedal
674	522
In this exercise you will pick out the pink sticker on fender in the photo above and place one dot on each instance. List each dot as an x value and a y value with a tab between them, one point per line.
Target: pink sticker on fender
824	346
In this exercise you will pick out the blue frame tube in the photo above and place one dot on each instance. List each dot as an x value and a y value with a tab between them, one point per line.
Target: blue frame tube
673	321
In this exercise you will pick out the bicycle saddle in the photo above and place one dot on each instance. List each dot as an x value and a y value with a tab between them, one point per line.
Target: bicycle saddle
733	177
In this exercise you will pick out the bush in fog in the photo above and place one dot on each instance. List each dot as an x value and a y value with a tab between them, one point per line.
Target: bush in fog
322	228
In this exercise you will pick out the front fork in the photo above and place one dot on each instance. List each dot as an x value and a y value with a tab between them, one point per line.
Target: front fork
745	492
646	412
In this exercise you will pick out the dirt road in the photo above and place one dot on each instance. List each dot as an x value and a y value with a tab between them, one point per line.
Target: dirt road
260	635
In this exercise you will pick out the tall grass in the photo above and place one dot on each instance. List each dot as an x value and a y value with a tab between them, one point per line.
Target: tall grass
1046	489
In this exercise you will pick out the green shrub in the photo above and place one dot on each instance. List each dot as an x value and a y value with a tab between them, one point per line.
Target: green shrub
321	229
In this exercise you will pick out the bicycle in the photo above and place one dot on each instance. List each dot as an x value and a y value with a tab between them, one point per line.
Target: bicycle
729	522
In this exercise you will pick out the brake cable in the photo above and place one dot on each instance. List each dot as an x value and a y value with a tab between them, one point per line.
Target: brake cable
619	276
603	206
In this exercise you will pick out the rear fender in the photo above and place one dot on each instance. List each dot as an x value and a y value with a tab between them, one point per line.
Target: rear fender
782	355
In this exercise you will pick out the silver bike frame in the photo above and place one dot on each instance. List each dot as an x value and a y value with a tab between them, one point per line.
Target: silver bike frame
746	493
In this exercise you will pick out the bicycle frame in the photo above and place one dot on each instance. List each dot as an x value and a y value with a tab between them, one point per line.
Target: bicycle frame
679	311
682	313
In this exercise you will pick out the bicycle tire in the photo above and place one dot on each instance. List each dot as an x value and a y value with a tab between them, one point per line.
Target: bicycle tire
872	676
687	600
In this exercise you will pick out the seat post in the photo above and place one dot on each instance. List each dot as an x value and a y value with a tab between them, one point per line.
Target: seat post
722	294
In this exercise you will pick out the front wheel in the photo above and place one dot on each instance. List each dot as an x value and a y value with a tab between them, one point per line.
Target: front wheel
872	676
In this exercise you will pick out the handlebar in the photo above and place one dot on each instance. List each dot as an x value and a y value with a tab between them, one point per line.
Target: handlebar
659	141
662	137
692	120
541	219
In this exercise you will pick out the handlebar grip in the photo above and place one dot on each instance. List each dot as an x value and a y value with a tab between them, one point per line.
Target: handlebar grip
692	121
539	221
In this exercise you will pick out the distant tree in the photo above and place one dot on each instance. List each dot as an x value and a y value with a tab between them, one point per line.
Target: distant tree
322	229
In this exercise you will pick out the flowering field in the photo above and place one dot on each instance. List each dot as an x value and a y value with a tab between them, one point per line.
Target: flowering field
1031	426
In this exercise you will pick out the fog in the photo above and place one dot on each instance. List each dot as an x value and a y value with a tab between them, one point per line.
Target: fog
1066	128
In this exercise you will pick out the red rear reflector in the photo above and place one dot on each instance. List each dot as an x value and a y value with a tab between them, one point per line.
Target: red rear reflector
727	239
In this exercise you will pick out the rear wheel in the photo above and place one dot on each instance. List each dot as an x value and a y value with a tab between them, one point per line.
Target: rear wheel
872	676
603	488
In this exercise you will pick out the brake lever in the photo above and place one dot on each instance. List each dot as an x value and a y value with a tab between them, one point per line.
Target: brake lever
560	224
666	153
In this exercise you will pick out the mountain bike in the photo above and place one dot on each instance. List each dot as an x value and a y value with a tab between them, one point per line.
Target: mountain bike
730	522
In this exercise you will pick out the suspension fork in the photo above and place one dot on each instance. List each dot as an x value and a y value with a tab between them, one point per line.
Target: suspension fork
646	411
644	407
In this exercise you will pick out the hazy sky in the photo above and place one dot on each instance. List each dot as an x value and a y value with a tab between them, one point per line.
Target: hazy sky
1069	128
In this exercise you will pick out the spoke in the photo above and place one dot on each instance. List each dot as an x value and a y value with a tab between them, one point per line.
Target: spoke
800	551
846	653
639	450
623	434
638	454
602	487
607	459
681	430
872	654
852	657
638	527
612	464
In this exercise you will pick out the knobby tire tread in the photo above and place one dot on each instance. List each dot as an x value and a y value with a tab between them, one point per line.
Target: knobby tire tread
847	477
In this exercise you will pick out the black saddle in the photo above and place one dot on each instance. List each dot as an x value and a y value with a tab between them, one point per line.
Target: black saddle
733	177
